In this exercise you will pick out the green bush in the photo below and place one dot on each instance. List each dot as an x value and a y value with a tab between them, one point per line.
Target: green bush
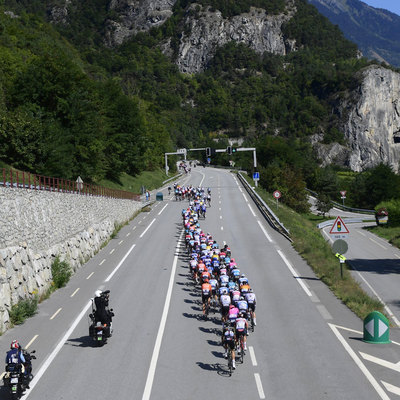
23	310
61	272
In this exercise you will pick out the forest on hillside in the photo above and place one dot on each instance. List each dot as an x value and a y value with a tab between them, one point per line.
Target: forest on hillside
71	106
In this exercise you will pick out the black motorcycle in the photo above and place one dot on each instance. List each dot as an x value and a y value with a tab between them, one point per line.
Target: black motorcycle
98	330
18	376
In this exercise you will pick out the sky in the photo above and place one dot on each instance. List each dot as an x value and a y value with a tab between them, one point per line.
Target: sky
391	5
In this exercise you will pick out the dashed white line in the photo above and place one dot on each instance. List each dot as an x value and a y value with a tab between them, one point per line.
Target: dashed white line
259	386
134	228
220	217
56	313
222	228
220	202
121	242
396	255
162	209
294	273
245	197
253	356
112	251
75	292
264	231
90	275
254	214
361	233
104	260
144	232
120	263
383	247
32	340
128	234
160	333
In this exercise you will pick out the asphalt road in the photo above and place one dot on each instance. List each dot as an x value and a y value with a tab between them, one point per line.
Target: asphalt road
306	344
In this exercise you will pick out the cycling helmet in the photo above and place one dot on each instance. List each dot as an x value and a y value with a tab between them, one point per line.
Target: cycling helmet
250	290
243	276
205	279
241	314
241	298
231	306
98	293
14	344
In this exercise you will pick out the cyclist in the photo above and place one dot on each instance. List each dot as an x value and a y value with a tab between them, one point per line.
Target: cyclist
242	306
229	343
241	330
233	313
251	301
225	301
206	291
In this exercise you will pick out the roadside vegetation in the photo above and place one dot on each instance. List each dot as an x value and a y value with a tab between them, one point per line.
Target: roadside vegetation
311	245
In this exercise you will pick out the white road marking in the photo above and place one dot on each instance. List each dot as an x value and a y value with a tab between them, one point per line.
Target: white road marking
222	228
1	376
202	178
75	292
373	240
359	363
259	386
324	312
295	274
381	362
52	356
102	262
220	209
240	189
391	388
162	209
220	217
386	307
157	346
120	263
396	255
121	242
56	313
144	217
32	340
245	197
264	231
112	251
254	214
128	234
361	233
253	356
220	202
144	232
90	275
134	228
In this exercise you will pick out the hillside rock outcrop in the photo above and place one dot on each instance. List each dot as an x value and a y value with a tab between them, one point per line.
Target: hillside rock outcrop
370	120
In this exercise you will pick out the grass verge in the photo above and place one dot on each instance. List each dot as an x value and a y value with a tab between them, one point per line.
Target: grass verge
391	234
311	245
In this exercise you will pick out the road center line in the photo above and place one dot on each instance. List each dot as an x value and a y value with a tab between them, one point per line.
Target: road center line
90	275
245	197
120	263
162	209
373	240
359	363
32	340
253	356
259	386
53	355
295	274
75	292
55	314
112	251
157	346
102	262
121	242
144	232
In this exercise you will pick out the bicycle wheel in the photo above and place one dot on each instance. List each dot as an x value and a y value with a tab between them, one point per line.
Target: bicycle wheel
230	364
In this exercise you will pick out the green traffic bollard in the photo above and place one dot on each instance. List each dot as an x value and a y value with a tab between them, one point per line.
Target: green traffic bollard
376	328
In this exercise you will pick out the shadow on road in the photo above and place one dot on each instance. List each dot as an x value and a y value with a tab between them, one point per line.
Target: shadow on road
83	341
382	266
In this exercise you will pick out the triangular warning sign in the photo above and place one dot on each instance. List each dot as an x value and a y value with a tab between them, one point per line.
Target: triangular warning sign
339	227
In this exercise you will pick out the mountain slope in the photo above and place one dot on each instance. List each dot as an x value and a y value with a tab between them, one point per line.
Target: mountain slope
375	31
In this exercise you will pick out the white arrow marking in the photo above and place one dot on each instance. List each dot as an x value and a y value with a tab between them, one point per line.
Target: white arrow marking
382	328
370	328
391	388
380	361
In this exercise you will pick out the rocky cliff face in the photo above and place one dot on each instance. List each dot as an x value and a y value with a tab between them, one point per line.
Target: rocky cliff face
135	16
370	122
207	30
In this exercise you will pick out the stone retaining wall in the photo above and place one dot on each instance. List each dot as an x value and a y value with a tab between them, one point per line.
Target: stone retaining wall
37	226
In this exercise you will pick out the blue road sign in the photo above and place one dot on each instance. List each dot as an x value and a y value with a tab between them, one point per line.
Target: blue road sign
256	176
208	160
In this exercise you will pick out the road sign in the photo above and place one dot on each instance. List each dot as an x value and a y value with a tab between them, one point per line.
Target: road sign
376	328
340	246
339	229
277	194
343	193
256	176
208	160
183	151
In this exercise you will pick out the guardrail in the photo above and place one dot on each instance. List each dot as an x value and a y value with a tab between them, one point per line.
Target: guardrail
345	220
25	180
268	214
171	179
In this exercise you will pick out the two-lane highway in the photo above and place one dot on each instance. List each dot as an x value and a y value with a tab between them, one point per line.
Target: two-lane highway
162	348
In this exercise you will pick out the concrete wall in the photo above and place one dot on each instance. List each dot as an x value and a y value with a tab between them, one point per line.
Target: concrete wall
37	226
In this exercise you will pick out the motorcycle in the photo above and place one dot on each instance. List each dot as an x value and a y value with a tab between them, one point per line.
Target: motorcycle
98	331
16	378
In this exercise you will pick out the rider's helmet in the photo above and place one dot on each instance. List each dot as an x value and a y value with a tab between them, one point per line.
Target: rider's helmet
98	293
241	298
231	306
15	344
243	276
241	314
250	290
205	279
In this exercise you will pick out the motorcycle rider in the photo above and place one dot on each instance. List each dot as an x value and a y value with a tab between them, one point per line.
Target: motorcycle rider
102	313
15	357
